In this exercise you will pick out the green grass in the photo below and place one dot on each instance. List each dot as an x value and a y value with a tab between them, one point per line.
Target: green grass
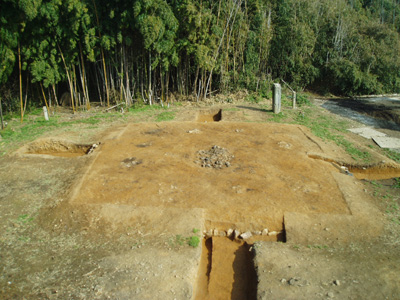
254	98
142	108
23	219
28	130
231	109
392	155
194	241
179	240
397	184
279	118
165	116
322	126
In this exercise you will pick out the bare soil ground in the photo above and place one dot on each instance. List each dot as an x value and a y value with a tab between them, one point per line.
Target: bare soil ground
117	223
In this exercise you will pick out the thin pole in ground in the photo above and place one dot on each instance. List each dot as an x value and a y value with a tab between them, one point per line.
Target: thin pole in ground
1	115
293	92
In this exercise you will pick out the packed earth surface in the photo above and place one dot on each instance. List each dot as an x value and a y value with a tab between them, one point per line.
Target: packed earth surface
226	201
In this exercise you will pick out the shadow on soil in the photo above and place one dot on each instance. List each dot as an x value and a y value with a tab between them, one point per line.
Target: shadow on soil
254	108
245	276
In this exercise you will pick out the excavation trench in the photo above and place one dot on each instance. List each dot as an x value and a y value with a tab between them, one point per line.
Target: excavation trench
227	268
378	171
59	148
210	116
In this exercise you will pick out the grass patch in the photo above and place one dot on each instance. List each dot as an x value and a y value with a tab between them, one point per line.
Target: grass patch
254	98
35	126
392	155
165	116
322	125
279	118
194	241
30	129
302	100
23	219
179	240
142	108
231	109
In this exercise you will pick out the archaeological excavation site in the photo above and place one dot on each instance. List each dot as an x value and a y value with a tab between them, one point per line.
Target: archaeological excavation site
212	207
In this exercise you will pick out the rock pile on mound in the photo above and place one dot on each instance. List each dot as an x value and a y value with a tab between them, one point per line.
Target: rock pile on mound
217	158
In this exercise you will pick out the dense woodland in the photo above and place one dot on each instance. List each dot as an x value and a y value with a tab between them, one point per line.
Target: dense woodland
143	50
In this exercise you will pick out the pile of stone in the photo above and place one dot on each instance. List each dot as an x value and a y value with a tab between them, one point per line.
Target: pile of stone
217	158
237	234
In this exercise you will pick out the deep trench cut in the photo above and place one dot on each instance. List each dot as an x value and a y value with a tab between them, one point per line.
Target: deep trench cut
227	268
59	148
210	116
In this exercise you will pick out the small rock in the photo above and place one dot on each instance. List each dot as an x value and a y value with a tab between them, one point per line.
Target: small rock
272	233
257	233
246	235
330	295
293	281
194	131
209	233
222	233
283	280
265	231
229	232
236	234
336	282
215	232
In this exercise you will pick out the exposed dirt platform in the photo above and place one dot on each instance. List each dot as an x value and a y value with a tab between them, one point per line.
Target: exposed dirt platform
154	165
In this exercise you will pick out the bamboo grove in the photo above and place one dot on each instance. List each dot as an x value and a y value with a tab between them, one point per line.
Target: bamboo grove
125	51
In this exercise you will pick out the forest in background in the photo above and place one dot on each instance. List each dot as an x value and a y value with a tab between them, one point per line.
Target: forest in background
143	50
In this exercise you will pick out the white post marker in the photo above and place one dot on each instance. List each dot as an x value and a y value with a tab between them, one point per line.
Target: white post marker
46	115
276	99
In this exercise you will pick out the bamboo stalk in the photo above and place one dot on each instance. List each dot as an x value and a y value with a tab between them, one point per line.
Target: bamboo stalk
20	83
55	94
44	97
83	79
26	94
71	89
1	115
102	56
